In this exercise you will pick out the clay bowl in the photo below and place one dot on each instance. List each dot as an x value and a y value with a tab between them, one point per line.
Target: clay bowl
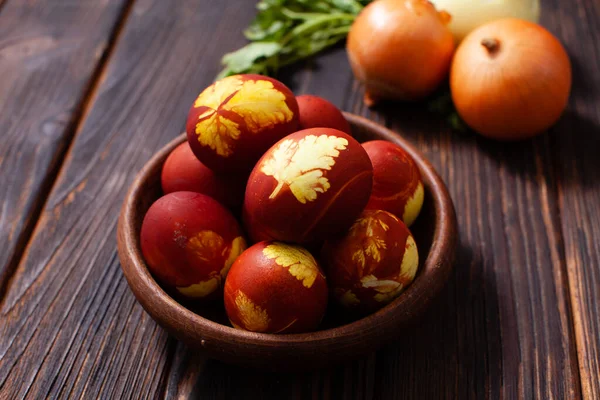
435	232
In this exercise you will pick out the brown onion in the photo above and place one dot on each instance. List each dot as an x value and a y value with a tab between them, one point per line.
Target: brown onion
510	79
400	49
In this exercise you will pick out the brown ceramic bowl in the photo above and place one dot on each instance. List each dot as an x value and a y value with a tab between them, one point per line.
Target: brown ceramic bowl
435	232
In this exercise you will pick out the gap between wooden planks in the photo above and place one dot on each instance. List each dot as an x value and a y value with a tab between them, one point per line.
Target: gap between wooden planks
70	324
28	201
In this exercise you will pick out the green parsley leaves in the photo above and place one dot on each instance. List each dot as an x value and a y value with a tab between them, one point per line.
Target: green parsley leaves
286	31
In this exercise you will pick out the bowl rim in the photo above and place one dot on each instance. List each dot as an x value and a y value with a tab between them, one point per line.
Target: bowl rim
437	265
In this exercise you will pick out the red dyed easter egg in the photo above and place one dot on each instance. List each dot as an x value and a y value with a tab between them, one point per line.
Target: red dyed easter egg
189	242
236	119
182	171
316	112
373	263
309	186
276	288
397	185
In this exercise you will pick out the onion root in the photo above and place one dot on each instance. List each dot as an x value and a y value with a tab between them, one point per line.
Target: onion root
492	45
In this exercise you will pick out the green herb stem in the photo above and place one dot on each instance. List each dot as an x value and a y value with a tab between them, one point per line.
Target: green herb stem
308	16
314	24
287	31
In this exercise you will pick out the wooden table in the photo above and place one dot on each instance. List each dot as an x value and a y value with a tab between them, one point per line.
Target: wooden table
89	90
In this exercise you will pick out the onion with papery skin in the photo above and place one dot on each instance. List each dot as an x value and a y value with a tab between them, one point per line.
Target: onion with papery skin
400	49
470	14
510	79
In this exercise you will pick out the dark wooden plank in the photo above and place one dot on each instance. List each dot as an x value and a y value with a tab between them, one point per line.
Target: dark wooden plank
512	327
50	54
575	148
69	325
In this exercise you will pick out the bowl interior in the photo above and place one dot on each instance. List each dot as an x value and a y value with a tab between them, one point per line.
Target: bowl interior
423	230
208	327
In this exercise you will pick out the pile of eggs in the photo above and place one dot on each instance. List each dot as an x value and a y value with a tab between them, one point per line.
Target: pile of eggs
273	207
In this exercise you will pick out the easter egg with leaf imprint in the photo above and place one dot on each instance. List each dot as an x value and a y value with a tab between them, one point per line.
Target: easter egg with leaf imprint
307	187
373	263
236	119
397	184
275	287
189	242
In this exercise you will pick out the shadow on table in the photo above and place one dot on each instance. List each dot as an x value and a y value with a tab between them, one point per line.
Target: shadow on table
446	351
575	145
567	153
298	76
584	87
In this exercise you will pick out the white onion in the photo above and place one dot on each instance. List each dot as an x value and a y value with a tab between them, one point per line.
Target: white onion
469	14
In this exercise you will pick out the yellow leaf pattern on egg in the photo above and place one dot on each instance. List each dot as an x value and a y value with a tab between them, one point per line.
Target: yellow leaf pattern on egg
257	102
384	225
218	133
410	261
260	105
390	295
371	246
201	289
300	165
348	298
413	205
386	289
254	318
374	247
218	92
359	258
297	260
389	288
207	245
237	247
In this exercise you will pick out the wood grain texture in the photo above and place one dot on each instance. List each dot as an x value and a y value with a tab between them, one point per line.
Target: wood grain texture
69	325
50	52
575	143
519	318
